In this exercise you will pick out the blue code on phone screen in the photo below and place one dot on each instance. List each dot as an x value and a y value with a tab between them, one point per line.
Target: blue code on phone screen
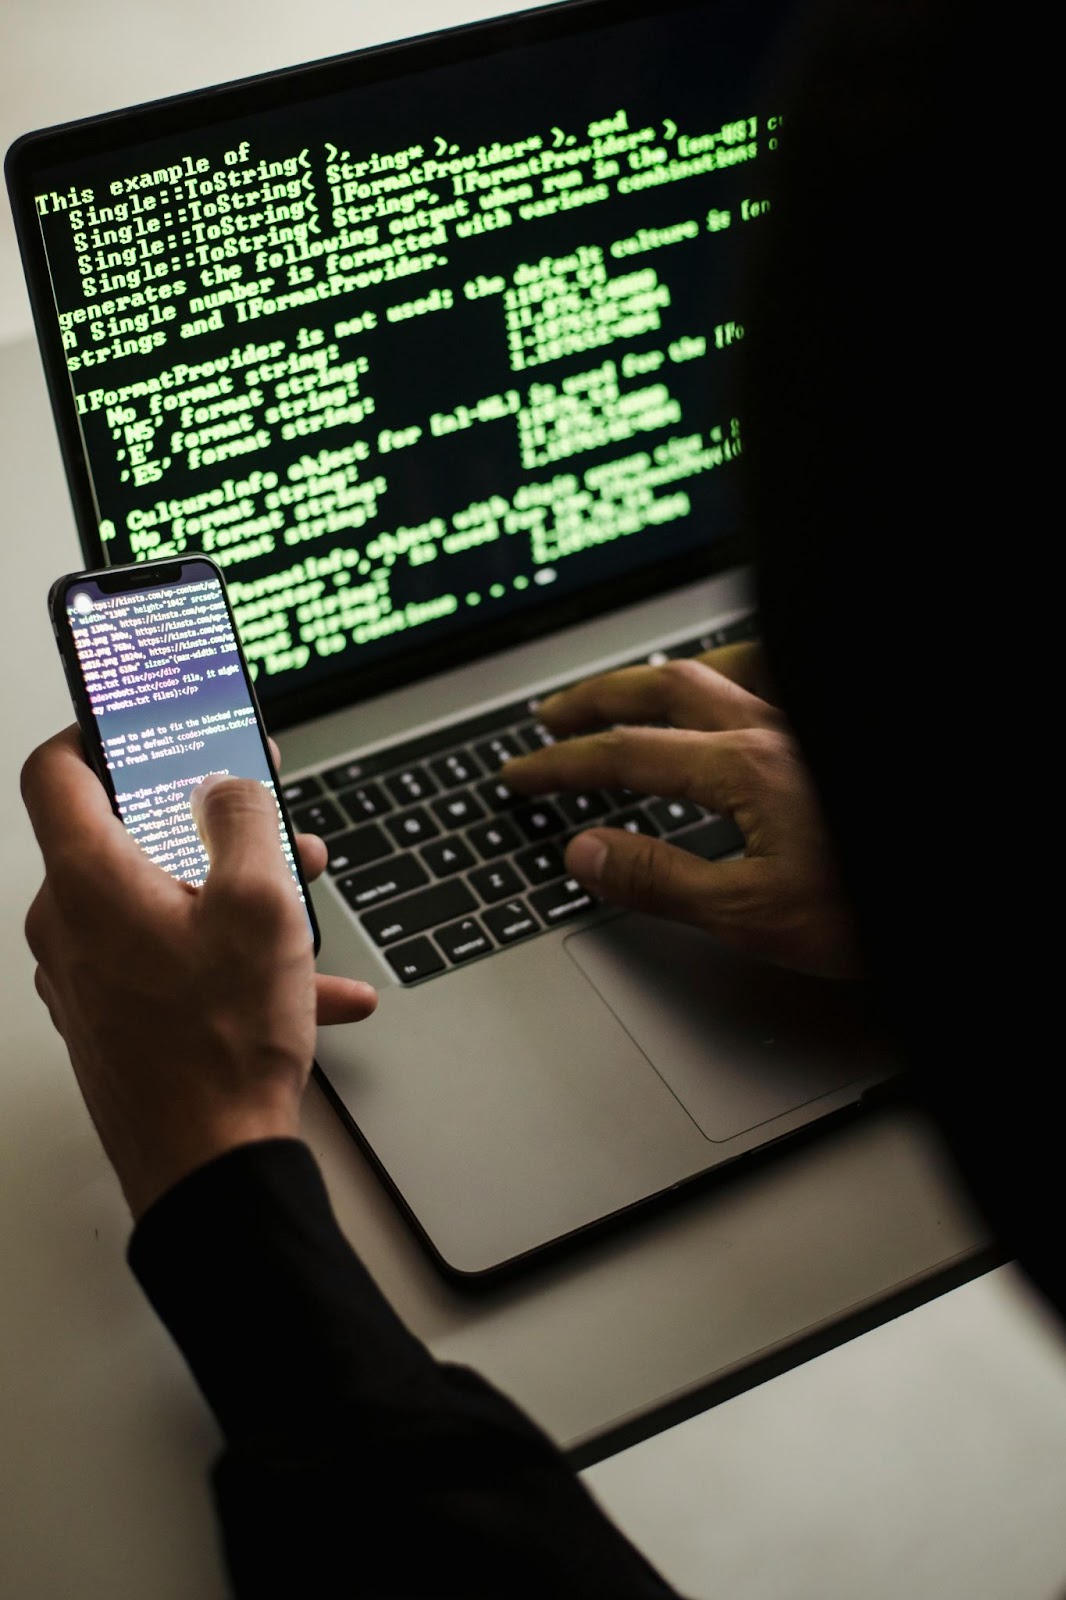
171	703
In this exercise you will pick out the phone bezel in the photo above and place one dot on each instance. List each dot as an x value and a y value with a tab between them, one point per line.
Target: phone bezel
147	575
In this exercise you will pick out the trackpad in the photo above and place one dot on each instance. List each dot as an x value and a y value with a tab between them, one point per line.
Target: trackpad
739	1043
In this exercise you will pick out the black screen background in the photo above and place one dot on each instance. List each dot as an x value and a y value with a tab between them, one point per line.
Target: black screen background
701	68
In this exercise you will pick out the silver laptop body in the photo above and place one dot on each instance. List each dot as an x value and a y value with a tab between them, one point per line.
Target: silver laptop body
528	1095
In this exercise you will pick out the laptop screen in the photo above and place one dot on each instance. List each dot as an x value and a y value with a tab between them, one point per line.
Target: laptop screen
419	344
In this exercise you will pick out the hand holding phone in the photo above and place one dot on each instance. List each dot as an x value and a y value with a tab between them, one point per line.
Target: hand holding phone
189	1011
163	698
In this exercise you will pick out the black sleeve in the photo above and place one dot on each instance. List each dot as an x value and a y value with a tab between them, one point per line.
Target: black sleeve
883	527
355	1464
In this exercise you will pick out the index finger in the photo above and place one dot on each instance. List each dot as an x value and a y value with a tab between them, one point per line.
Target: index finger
675	763
686	693
68	806
745	662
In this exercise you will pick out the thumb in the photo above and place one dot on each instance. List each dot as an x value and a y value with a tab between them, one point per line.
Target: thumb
237	819
631	869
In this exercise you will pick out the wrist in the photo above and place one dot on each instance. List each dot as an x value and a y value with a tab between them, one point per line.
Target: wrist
157	1166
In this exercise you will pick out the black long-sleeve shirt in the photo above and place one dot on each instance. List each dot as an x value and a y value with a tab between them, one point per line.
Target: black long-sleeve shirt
355	1464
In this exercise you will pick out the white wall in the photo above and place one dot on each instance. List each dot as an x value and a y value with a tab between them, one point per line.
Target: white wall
63	59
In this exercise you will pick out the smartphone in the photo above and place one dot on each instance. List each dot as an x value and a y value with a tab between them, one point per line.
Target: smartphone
163	697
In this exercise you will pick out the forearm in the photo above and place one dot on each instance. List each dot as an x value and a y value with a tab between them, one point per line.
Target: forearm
350	1451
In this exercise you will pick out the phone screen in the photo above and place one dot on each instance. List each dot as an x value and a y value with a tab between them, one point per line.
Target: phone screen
167	688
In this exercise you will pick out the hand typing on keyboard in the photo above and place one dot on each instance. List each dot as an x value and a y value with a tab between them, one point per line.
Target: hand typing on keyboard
694	733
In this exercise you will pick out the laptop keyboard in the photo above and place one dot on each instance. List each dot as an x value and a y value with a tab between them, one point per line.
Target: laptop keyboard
440	863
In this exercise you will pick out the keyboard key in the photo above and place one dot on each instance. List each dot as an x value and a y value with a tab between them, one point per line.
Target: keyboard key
535	736
579	807
495	751
541	864
441	903
429	746
743	628
456	810
633	820
510	922
412	827
296	791
718	836
318	816
496	883
410	785
732	633
445	856
366	801
498	797
673	814
347	773
415	960
494	838
687	647
358	848
383	882
459	767
463	940
558	902
621	800
539	821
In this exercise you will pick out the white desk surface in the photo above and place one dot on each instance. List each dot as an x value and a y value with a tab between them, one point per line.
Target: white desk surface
105	1441
923	1459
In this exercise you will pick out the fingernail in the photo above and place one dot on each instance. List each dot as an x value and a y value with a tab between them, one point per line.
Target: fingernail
586	857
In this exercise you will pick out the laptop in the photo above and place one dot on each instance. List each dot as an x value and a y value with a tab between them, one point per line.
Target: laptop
431	348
